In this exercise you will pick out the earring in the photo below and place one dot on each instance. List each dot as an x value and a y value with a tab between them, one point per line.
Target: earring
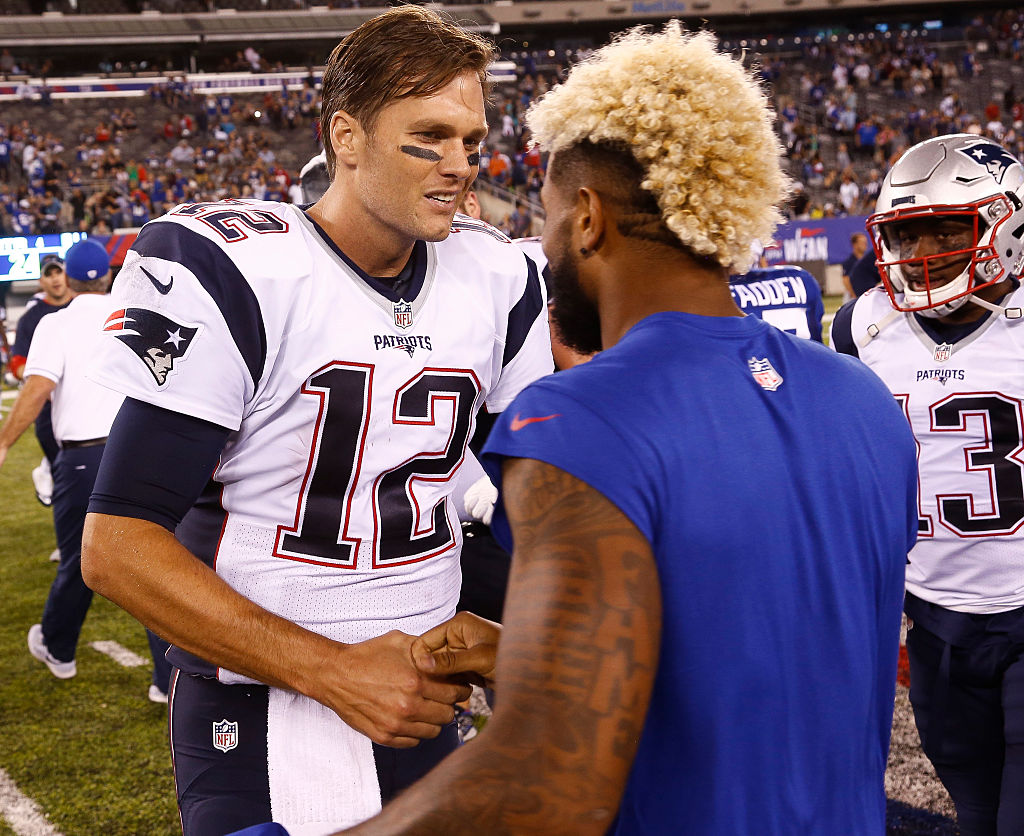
584	251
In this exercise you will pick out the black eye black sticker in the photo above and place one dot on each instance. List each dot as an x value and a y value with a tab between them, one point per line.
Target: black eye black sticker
422	153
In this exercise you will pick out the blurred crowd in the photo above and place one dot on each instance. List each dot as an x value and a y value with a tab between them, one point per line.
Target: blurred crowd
856	104
119	175
843	117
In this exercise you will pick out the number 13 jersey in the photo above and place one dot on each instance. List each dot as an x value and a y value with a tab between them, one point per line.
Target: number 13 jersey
351	405
965	403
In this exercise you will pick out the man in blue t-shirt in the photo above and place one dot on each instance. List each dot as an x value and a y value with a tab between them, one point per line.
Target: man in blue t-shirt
700	634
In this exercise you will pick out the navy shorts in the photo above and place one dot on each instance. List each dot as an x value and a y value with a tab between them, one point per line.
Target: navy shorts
967	690
246	754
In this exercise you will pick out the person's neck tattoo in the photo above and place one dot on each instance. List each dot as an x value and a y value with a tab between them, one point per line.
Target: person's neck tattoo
421	153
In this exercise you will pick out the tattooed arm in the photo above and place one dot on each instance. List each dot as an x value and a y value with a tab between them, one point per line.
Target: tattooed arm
575	669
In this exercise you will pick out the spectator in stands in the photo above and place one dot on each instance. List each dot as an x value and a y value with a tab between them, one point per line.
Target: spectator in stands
138	211
5	157
866	135
7	63
849	192
25	91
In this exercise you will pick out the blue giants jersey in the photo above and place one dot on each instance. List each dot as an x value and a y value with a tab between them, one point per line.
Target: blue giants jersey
720	439
785	296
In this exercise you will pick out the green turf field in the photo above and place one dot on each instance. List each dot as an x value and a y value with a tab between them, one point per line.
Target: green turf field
90	751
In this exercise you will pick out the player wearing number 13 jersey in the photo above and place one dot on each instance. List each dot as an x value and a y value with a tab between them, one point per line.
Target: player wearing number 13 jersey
325	365
946	335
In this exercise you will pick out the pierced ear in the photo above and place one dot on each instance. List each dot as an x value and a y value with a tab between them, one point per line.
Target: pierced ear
591	218
346	136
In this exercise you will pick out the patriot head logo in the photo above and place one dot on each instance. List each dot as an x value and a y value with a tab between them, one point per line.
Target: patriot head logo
993	157
157	340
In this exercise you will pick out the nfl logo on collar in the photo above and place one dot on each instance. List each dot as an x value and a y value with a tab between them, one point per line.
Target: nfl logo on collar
403	314
943	351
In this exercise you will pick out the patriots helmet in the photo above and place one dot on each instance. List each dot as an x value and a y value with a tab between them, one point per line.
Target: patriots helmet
314	178
960	177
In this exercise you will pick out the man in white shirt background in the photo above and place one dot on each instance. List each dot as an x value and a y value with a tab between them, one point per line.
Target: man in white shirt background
55	371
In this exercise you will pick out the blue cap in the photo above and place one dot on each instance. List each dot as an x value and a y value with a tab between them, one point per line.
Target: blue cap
86	261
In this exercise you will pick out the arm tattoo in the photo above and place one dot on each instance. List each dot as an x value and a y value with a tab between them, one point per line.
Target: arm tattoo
575	669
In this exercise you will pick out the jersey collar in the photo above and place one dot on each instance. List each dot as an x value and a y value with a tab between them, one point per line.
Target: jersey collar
412	277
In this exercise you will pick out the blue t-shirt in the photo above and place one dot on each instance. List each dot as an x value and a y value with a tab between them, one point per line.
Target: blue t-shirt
785	296
777	485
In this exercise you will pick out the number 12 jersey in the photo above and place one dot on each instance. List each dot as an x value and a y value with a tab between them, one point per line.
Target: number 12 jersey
351	404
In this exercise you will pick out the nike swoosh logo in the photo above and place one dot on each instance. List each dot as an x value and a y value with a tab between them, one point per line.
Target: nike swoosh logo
160	286
518	423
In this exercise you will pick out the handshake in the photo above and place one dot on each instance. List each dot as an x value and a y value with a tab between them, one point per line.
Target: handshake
465	645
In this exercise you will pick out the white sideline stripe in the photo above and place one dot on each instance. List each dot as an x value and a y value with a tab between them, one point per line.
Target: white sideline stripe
21	812
122	655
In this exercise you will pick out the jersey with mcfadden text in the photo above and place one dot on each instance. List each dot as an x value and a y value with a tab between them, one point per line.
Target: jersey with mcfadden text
965	403
785	296
351	405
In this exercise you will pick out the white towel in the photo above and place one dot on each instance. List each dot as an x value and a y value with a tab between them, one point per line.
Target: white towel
322	772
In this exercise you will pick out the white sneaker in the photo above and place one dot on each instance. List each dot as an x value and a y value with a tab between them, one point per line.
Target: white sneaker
42	479
156	695
55	556
37	647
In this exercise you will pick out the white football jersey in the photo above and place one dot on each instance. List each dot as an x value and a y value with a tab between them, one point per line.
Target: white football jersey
351	407
532	247
965	402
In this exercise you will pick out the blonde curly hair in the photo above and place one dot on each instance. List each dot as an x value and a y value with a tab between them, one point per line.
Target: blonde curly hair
696	123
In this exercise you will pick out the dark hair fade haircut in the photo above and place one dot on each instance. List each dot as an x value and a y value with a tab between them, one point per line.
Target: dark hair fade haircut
406	51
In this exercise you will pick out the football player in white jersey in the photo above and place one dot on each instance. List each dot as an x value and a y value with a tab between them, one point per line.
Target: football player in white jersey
325	367
945	334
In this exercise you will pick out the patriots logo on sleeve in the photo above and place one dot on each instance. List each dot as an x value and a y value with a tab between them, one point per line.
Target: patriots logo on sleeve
157	340
993	157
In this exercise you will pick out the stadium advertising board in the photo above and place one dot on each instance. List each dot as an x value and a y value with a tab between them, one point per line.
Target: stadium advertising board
21	255
824	239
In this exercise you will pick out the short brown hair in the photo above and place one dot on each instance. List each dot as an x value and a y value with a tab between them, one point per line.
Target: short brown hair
406	51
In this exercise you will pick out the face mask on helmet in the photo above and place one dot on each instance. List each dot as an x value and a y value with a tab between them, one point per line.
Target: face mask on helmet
949	222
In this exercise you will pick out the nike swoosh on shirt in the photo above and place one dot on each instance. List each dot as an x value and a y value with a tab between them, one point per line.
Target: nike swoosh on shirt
159	285
518	423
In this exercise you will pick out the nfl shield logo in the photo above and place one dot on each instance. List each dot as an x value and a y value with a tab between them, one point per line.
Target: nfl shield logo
225	735
764	373
403	314
942	352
